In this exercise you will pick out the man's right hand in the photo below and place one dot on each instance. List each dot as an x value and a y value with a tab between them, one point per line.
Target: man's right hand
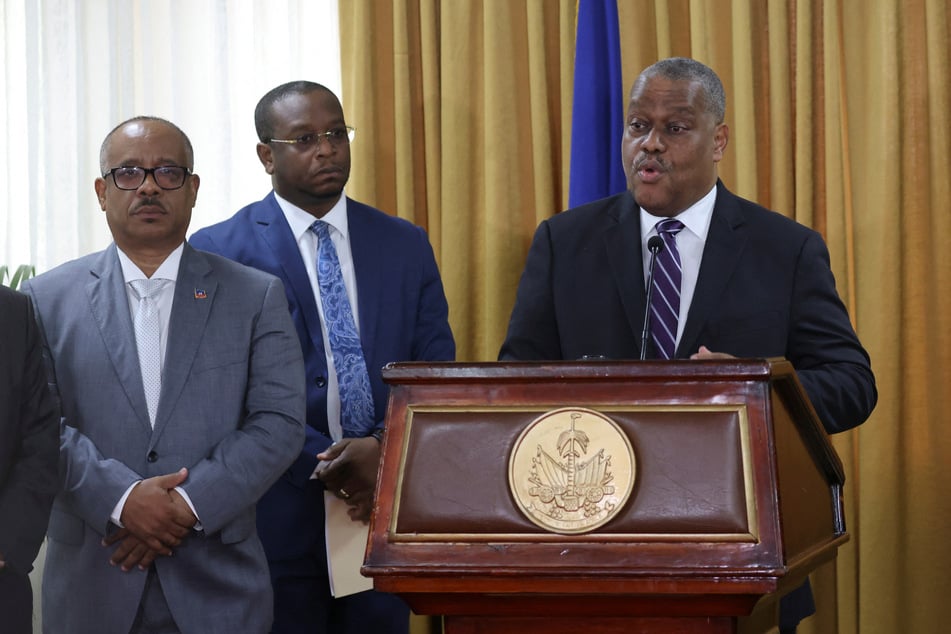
157	518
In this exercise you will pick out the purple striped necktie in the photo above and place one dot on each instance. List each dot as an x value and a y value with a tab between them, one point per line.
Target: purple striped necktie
665	299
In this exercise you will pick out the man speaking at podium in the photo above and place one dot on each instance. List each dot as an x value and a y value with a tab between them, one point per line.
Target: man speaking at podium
678	267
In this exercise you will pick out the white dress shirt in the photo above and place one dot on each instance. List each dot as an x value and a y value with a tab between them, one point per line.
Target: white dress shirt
690	241
168	270
300	222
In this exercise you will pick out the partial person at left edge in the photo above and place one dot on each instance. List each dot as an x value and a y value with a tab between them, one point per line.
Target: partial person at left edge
29	457
182	388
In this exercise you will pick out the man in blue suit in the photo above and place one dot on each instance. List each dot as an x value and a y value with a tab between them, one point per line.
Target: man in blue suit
29	457
182	390
753	283
396	299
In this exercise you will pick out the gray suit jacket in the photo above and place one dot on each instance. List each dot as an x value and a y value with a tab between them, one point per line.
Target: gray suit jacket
231	411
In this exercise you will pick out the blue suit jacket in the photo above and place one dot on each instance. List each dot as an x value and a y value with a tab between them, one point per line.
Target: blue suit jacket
231	411
403	317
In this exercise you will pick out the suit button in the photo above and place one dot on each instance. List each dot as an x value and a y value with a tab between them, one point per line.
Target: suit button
152	457
320	381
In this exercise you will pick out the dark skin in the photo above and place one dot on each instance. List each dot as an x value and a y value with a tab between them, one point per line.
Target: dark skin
310	177
671	146
157	521
148	223
313	178
348	468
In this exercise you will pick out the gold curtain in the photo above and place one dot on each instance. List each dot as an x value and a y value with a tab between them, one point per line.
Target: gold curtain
840	117
463	115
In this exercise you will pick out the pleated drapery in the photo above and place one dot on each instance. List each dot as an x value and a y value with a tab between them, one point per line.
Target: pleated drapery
840	117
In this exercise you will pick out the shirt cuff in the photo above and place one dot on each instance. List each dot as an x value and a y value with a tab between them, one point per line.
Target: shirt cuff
188	501
117	511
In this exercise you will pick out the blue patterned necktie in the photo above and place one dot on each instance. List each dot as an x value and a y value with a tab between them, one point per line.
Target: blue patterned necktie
357	416
665	299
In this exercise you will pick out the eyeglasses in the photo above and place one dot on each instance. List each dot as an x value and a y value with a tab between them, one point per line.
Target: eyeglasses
336	137
165	176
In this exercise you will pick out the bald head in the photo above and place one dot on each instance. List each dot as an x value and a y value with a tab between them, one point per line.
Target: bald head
106	143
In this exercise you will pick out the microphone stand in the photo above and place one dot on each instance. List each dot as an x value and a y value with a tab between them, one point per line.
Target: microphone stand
654	245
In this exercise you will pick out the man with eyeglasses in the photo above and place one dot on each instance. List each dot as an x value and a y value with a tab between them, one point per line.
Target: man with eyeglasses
328	247
181	383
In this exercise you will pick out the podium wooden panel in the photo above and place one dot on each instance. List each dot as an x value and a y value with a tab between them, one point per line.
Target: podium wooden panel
737	498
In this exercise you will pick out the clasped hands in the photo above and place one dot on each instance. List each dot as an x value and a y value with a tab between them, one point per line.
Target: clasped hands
348	469
155	518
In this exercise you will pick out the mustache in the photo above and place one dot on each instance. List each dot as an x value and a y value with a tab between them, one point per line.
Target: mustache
653	162
148	202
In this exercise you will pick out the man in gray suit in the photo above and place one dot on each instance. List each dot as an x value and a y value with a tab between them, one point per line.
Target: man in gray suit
182	405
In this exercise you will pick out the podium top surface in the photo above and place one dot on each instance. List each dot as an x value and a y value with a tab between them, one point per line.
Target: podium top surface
589	369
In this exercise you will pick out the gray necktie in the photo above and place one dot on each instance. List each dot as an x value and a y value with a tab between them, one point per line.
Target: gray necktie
148	342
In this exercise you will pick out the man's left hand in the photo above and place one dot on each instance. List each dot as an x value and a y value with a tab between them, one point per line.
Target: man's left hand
130	552
348	469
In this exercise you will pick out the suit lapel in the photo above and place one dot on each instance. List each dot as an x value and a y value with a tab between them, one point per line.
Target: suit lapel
367	270
721	253
623	244
277	235
109	306
195	291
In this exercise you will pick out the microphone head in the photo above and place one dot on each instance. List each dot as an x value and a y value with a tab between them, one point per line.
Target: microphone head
655	244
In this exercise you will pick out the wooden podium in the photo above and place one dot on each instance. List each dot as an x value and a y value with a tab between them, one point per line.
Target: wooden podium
735	495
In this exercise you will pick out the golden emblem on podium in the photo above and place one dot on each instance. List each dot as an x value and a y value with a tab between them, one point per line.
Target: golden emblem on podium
571	470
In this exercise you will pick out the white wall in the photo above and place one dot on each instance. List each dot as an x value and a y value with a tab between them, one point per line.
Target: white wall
72	70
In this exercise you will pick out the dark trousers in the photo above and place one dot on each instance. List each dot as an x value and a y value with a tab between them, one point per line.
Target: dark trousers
794	607
153	616
16	602
303	605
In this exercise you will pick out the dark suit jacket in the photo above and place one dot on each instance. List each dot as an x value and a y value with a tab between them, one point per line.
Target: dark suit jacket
765	289
231	410
29	436
403	317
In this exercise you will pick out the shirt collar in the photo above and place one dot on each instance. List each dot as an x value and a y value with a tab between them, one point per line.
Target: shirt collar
696	217
300	220
168	270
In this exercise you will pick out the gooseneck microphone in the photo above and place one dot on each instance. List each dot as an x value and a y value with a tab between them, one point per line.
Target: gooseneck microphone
654	245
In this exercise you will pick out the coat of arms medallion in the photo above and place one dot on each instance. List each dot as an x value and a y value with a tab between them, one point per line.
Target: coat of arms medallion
571	470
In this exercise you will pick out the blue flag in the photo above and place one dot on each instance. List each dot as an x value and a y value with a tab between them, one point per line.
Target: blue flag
597	116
